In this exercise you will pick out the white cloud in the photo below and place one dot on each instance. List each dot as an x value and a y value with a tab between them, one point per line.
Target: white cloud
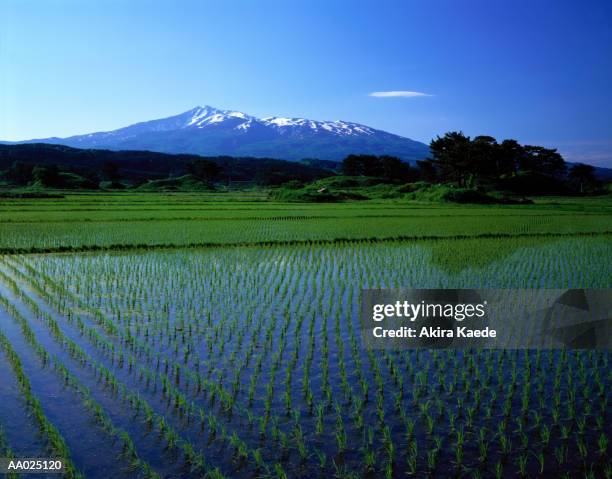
398	94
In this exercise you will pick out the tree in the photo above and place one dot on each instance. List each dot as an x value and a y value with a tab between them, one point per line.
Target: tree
361	165
110	170
452	158
484	157
351	166
46	175
20	173
395	170
388	167
427	170
509	157
92	177
583	176
468	162
538	159
205	170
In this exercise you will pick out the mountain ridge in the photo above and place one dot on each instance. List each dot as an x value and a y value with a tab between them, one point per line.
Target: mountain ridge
210	131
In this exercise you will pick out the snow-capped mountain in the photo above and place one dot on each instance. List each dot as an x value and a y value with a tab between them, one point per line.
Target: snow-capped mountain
209	131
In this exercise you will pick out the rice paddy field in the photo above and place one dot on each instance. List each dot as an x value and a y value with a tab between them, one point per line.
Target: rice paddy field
211	336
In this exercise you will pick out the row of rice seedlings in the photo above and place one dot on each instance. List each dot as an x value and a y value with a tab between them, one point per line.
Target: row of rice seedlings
105	235
175	443
119	273
281	343
216	389
470	410
180	402
56	442
7	453
100	415
189	348
464	382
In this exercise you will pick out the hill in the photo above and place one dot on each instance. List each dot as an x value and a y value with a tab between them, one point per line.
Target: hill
139	166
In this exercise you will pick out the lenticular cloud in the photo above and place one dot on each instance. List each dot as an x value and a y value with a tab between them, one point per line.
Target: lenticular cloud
398	94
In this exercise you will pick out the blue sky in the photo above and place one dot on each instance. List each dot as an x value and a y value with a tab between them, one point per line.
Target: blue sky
537	71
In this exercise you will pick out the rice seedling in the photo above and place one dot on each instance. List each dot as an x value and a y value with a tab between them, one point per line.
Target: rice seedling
54	438
521	464
602	444
6	452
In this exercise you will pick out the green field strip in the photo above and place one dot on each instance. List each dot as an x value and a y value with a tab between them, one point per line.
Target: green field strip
273	243
30	237
314	208
45	219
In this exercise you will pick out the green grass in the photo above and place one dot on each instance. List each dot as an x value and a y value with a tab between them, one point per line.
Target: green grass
181	183
126	220
351	188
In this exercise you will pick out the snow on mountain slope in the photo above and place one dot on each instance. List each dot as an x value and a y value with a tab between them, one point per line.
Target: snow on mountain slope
201	117
210	131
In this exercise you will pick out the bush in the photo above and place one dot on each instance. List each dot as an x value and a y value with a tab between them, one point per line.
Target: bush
74	181
311	194
29	194
533	184
293	185
450	194
464	195
180	183
348	182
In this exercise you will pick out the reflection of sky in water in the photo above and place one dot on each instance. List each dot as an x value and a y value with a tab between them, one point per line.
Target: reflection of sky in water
299	277
224	292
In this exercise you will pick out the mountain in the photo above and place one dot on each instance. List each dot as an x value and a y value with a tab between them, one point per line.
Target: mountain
209	131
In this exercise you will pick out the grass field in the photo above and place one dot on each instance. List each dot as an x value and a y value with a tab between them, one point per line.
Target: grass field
215	336
85	222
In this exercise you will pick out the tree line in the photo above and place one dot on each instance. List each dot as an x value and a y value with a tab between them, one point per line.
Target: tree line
480	162
58	166
456	159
